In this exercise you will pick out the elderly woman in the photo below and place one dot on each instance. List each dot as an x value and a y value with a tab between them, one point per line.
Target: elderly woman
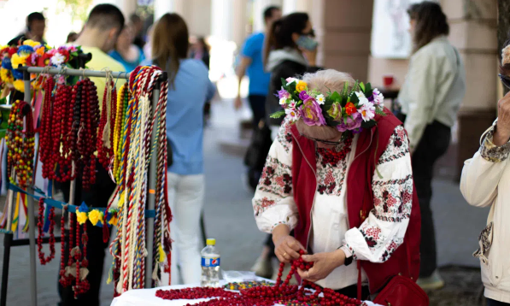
339	175
485	180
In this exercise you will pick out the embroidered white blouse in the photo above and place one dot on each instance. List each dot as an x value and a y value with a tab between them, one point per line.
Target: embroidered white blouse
377	237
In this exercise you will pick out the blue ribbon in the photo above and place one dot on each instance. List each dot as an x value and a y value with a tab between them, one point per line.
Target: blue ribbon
149	213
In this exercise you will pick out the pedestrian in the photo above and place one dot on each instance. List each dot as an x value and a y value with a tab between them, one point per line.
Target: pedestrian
252	65
290	51
71	37
189	89
484	183
126	52
103	26
36	25
321	181
430	98
200	50
137	23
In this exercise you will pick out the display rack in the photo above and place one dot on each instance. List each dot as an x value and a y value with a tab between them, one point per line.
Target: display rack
8	235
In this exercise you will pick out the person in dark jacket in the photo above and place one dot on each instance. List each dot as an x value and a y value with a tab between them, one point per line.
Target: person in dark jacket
290	51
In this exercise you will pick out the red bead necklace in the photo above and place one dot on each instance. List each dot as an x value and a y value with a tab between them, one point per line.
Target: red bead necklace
65	279
332	156
44	260
281	293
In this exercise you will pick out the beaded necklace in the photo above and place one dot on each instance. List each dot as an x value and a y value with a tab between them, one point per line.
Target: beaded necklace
44	260
20	144
280	293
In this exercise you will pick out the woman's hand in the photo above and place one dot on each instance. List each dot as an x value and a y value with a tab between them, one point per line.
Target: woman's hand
311	56
286	247
502	134
323	265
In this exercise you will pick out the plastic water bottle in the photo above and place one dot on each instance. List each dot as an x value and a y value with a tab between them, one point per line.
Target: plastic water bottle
210	265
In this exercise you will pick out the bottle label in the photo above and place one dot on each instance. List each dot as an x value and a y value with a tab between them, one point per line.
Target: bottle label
210	262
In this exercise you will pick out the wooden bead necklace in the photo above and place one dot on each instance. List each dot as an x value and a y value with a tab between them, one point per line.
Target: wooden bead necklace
20	144
44	260
280	293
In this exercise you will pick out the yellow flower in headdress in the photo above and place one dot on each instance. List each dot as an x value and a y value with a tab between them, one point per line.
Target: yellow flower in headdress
17	60
19	85
31	43
81	216
6	75
96	216
301	85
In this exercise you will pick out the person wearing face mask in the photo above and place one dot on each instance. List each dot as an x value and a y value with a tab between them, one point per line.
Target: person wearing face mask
346	191
290	50
430	98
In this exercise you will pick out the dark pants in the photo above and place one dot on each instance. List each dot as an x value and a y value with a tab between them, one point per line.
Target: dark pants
258	107
433	144
97	196
496	303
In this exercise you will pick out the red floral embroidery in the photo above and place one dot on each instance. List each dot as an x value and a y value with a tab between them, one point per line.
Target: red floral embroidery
276	178
262	205
392	247
398	146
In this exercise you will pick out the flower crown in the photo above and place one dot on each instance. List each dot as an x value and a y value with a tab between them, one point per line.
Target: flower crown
350	110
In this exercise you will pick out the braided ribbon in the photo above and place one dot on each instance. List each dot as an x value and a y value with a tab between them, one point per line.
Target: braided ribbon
132	149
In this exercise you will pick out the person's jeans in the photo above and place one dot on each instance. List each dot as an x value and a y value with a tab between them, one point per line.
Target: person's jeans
496	303
97	196
258	108
186	198
433	144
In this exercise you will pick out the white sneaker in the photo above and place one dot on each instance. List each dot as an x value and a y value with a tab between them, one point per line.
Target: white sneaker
432	282
263	267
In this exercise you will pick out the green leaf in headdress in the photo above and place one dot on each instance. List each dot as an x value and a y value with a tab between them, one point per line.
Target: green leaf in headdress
277	114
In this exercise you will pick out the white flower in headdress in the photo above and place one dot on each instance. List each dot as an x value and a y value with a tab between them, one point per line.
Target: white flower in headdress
361	97
320	99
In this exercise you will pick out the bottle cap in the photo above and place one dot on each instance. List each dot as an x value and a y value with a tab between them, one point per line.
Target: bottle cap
211	241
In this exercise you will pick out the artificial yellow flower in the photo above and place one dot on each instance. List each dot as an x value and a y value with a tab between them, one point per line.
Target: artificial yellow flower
95	216
17	60
31	43
6	75
81	216
113	220
19	85
301	85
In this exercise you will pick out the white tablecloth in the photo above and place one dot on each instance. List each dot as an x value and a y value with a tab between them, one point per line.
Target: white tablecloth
147	297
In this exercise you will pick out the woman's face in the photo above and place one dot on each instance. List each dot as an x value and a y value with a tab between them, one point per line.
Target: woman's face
412	26
308	30
324	140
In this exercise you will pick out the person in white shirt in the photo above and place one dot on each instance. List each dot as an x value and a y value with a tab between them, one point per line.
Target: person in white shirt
430	98
484	183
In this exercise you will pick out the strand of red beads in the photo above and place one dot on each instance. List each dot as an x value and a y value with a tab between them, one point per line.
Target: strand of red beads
281	293
64	280
44	260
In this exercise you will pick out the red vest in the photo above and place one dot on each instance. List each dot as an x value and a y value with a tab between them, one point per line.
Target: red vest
370	146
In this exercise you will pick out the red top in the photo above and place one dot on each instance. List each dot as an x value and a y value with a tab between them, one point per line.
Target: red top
370	146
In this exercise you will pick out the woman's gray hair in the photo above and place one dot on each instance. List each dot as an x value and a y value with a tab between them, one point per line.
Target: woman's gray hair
328	80
325	81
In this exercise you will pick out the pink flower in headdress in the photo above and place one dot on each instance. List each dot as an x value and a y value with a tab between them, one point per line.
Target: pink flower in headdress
311	113
351	123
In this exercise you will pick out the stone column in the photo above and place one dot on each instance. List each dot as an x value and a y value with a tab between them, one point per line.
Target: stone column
161	7
473	27
343	28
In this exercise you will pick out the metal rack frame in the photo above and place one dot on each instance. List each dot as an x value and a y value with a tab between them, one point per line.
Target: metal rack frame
8	237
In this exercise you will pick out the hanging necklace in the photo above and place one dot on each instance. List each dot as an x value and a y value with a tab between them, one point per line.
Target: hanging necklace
44	260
